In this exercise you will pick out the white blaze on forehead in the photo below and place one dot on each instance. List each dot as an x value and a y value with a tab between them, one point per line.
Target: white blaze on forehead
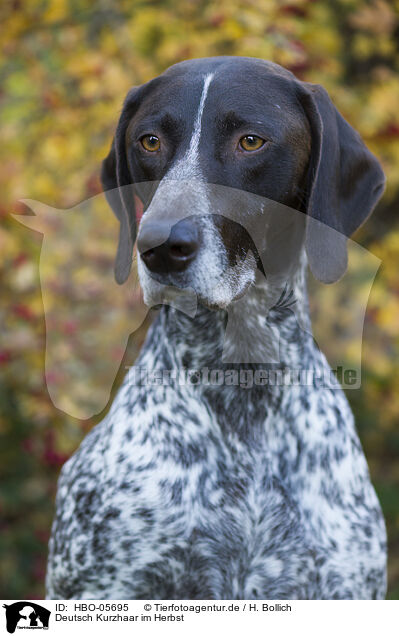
192	154
188	166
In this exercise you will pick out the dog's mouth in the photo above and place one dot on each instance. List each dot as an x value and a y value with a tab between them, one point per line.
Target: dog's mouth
217	306
216	292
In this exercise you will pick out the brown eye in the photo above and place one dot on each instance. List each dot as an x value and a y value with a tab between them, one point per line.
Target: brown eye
150	143
251	142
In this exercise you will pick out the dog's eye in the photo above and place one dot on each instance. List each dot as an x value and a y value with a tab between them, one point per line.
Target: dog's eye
150	143
251	142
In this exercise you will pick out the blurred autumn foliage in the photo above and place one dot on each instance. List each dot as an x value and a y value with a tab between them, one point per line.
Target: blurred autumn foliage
65	68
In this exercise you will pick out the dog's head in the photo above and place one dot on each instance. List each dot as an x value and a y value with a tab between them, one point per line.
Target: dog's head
209	146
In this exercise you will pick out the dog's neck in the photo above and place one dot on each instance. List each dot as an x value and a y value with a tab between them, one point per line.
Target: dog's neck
218	353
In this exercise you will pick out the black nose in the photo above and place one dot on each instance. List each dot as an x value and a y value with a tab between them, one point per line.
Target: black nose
173	254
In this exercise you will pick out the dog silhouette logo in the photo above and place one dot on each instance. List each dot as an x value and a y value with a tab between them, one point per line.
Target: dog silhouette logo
26	615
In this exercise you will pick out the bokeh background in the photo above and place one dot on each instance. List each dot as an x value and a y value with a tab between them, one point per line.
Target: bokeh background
65	68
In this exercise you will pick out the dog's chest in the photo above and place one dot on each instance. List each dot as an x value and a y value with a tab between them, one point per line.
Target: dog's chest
165	506
224	528
219	513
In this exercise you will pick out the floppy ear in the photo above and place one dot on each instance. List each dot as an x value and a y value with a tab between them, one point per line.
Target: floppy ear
115	178
345	183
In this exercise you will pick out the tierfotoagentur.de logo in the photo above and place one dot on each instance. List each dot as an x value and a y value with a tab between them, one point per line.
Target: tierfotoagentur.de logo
26	615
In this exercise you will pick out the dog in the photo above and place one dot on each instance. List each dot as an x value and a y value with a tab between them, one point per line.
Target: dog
246	176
